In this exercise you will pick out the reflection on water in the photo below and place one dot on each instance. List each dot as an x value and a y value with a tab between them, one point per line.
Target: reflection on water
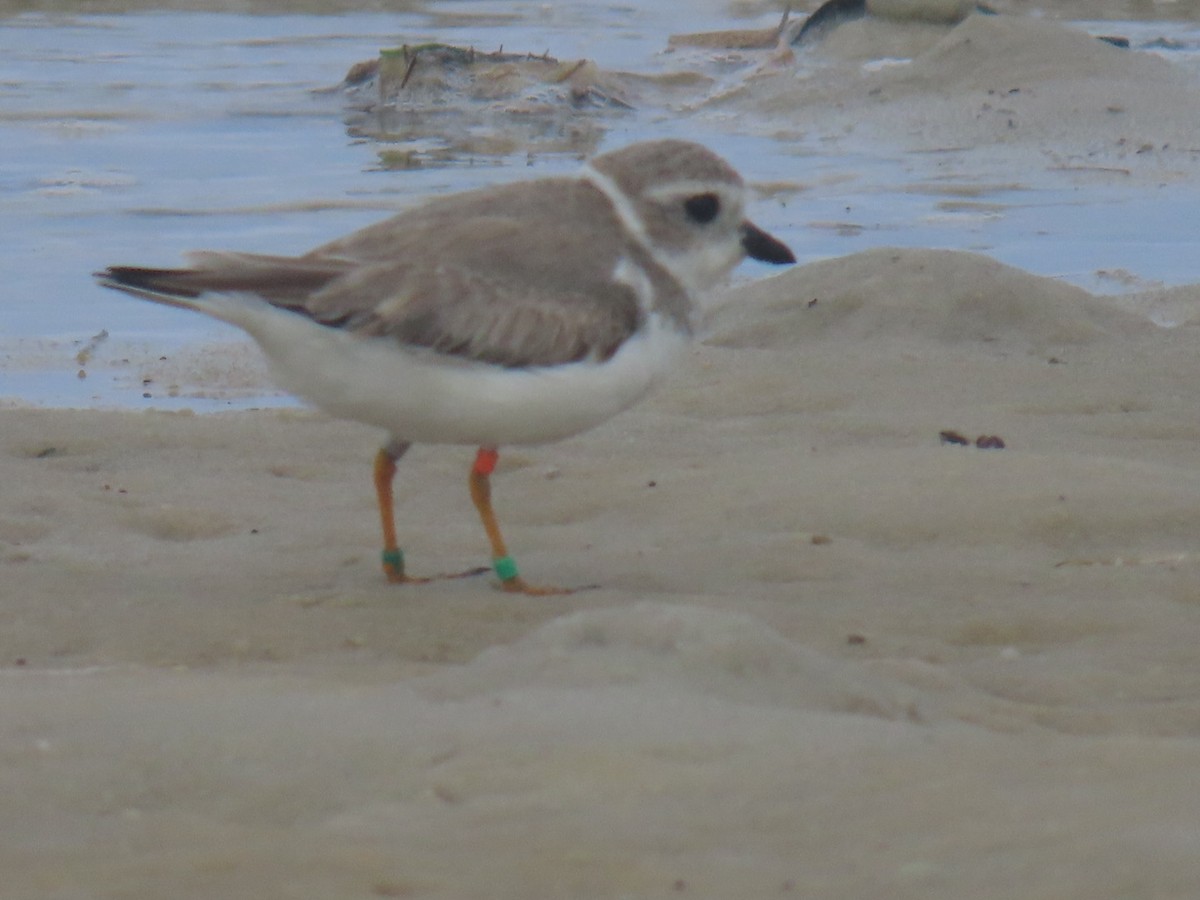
137	137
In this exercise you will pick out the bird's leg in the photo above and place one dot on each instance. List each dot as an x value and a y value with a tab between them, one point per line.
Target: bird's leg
481	494
393	556
385	471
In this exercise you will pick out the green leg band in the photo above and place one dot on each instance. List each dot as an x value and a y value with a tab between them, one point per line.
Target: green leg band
394	560
506	568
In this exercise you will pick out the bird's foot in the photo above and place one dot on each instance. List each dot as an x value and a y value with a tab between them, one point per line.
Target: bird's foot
518	585
393	570
512	583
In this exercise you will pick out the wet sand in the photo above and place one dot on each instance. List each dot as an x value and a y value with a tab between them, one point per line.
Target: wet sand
825	649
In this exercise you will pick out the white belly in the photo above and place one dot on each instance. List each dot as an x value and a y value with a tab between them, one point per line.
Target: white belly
422	397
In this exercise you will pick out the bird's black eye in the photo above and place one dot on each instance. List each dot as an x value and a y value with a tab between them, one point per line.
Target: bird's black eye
702	208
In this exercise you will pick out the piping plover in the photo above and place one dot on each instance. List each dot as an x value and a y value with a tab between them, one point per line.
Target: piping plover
519	314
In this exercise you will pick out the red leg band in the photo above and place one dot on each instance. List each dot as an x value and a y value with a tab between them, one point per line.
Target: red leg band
485	460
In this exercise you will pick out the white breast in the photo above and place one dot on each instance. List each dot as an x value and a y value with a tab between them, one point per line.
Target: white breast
423	397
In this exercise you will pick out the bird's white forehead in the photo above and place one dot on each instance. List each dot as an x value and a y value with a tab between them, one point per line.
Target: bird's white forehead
690	187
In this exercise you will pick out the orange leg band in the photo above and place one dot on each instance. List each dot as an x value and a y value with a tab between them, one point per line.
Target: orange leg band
485	460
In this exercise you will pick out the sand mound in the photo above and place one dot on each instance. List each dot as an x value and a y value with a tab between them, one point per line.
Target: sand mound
1005	83
710	652
941	295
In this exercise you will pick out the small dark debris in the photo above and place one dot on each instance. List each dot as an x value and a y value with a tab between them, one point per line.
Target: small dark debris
1055	361
20	661
856	640
391	889
412	65
813	302
983	442
46	453
651	484
953	437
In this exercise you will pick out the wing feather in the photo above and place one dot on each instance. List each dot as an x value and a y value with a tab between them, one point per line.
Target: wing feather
478	276
487	283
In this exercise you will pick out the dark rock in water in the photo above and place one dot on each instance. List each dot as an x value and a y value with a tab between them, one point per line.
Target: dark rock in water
466	101
837	12
830	15
442	73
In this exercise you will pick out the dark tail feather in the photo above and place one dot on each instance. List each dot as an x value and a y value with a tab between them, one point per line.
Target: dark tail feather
169	282
281	281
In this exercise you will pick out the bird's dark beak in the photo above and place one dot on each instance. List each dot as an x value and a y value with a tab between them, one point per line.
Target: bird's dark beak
761	246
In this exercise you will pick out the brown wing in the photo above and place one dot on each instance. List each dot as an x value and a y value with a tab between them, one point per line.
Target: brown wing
482	276
488	294
479	276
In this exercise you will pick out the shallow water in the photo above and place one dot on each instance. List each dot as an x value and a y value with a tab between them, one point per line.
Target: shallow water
139	136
